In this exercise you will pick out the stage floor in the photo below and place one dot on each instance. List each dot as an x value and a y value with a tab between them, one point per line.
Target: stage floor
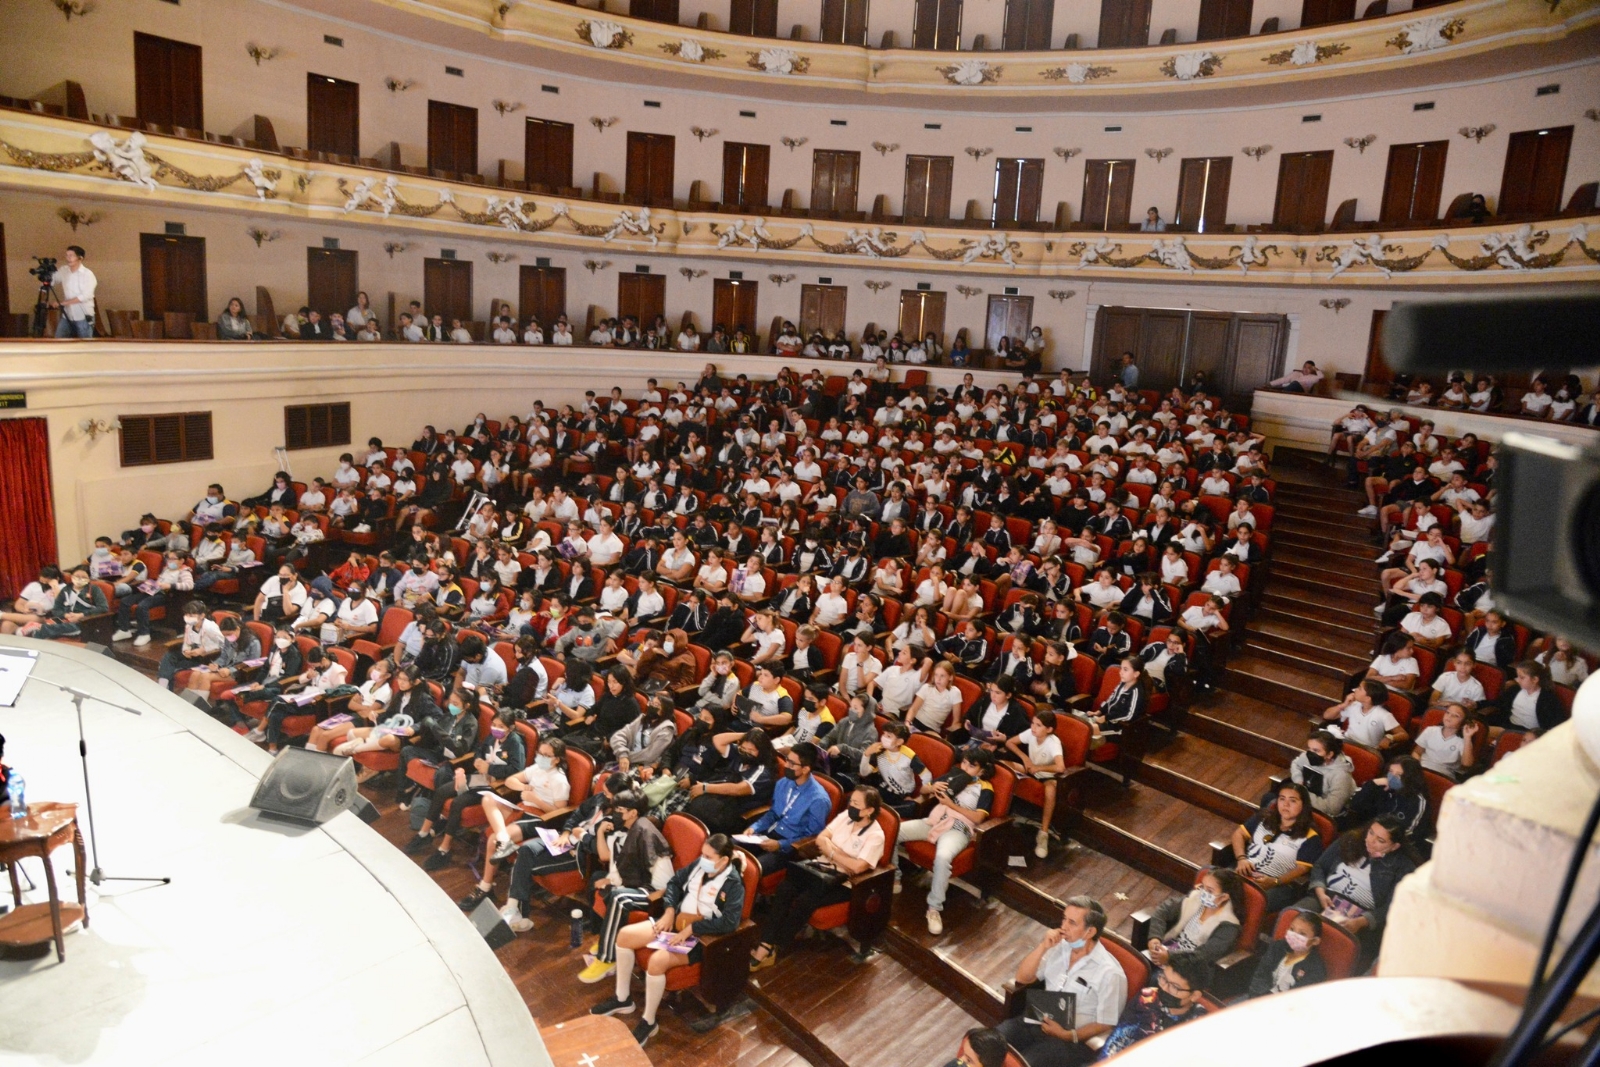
273	944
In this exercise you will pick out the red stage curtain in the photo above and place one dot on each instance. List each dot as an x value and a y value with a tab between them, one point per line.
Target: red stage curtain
27	510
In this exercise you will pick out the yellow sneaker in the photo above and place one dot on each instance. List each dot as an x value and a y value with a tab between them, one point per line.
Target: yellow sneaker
598	971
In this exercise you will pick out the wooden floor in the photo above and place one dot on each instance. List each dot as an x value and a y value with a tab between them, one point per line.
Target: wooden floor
1130	846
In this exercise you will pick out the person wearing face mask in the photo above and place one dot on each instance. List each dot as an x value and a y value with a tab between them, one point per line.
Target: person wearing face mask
1293	962
281	597
357	617
440	654
323	674
442	739
799	810
852	843
894	768
1174	999
704	899
213	507
963	799
981	1046
850	738
1353	882
497	758
201	642
416	586
720	686
1205	921
284	664
1401	792
1326	772
641	744
1070	957
745	780
637	865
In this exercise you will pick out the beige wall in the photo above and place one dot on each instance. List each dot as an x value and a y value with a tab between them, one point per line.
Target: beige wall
98	53
393	391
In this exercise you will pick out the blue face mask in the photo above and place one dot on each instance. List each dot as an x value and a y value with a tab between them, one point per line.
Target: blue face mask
1394	783
707	867
544	763
455	709
1076	945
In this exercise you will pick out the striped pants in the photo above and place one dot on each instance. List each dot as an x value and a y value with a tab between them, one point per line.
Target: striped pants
620	900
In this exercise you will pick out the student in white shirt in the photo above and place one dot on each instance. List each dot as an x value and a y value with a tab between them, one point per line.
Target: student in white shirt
1043	761
1458	685
1364	718
1447	748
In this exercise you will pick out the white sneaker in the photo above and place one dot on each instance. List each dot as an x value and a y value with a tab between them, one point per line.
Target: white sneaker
1041	844
897	886
1379	609
502	849
520	925
935	923
510	911
1369	512
141	640
122	635
257	735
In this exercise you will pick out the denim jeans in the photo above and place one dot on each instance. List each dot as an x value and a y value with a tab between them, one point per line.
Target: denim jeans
82	329
945	850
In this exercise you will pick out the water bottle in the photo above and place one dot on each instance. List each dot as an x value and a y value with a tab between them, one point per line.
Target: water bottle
577	928
16	795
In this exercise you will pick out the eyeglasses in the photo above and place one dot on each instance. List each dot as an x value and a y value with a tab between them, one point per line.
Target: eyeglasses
1165	983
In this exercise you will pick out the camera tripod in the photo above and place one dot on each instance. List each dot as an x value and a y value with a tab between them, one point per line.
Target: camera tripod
41	310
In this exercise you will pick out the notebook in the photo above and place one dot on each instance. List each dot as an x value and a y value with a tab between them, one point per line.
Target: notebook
1059	1008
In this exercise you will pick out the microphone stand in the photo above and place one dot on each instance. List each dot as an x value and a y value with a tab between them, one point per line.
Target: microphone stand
96	875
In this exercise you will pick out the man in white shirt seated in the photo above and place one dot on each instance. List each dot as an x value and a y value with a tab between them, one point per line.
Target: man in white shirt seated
1303	380
1071	958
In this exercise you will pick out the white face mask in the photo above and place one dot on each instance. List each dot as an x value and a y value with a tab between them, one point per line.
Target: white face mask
887	740
668	645
283	642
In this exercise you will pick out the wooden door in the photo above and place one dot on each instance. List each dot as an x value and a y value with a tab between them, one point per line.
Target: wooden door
333	115
542	294
332	279
844	22
1258	349
1124	24
1224	18
936	24
166	82
1017	187
834	180
1413	182
1323	12
745	168
922	313
1116	330
650	169
1208	347
1302	202
1203	194
644	296
928	181
753	18
447	289
1377	370
1535	172
452	138
1009	316
173	273
1161	344
654	10
733	304
1107	193
822	308
1027	25
547	153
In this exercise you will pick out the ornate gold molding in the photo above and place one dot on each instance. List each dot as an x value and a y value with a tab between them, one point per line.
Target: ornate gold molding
1447	31
48	155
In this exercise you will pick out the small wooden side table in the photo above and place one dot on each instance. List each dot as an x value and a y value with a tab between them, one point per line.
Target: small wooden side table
593	1041
48	826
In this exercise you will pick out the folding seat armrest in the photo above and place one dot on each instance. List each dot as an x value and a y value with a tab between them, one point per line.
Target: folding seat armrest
551	816
1139	929
1014	997
1275	783
1222	854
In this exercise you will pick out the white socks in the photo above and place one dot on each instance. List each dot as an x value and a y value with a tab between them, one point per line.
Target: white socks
625	958
655	987
502	838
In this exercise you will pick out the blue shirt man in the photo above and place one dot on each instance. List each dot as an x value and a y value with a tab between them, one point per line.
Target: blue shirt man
800	808
1130	372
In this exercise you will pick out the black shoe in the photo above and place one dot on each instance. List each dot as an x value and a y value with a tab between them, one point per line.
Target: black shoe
418	844
613	1006
436	862
644	1032
473	899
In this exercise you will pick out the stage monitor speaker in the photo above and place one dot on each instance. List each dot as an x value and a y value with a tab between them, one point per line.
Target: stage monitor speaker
364	809
101	650
189	696
306	786
486	917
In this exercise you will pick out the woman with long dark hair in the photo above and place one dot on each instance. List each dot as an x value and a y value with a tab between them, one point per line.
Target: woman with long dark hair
1276	847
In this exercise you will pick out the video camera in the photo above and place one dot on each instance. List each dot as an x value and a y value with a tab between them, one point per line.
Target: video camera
46	269
1545	558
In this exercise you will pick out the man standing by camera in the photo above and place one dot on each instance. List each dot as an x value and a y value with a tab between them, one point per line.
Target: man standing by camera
75	284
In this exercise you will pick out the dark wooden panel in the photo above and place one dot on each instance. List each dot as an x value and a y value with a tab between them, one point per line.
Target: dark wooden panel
650	168
1322	12
1116	330
1535	172
1377	371
1302	200
1203	194
928	182
936	24
1027	25
822	307
1030	187
1412	182
1257	356
1210	334
921	313
547	153
1107	193
167	82
447	289
1160	353
834	180
1124	24
753	18
644	296
745	169
844	22
333	115
733	304
1224	18
654	10
1008	316
173	271
452	137
543	294
332	279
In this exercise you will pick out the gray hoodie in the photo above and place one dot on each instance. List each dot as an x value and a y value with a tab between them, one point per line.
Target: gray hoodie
1338	783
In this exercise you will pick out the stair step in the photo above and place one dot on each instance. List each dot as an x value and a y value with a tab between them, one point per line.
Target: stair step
1339	548
1257	718
1311	640
1294	491
1339	532
1279	683
1315	661
1350	590
1314	604
1316	558
1234	737
1320	510
1328	622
